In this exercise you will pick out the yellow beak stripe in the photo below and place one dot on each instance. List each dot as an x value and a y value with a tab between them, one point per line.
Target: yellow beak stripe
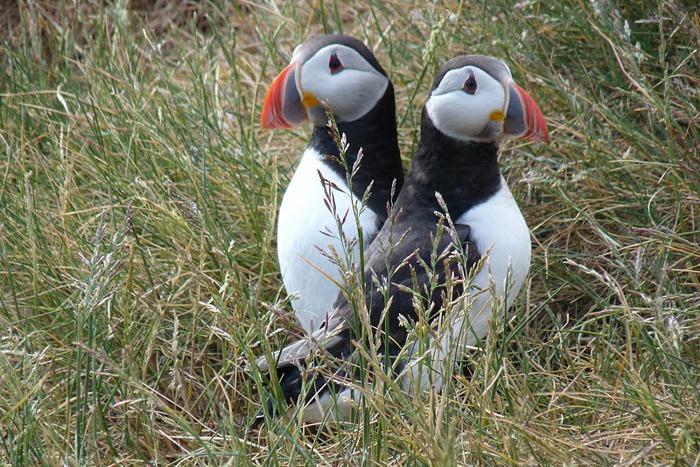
309	100
497	116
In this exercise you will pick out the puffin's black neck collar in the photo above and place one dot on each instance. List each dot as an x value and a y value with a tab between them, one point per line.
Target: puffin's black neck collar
375	133
465	173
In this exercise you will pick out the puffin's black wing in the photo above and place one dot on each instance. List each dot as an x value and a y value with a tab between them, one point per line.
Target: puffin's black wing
331	338
412	259
414	263
408	263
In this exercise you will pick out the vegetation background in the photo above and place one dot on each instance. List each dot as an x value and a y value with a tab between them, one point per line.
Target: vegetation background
138	200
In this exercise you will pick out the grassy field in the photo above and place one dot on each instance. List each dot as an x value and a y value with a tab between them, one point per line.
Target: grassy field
138	201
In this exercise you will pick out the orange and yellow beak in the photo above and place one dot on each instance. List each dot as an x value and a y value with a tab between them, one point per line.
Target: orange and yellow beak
283	107
524	119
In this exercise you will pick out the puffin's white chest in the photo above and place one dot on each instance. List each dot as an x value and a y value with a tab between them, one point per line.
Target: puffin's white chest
304	221
503	238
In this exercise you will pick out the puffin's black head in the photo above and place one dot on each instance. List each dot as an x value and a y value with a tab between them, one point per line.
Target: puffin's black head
339	70
474	98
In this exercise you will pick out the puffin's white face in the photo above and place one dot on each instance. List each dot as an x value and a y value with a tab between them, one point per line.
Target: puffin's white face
340	76
468	104
336	74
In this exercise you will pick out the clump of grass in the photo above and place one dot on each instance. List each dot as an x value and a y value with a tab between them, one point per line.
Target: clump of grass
138	202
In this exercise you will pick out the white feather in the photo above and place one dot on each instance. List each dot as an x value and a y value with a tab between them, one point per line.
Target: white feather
327	406
302	218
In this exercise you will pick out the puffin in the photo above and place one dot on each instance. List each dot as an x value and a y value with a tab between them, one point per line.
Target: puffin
454	251
316	222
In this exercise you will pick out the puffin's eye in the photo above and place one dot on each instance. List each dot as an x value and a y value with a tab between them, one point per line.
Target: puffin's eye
470	85
334	64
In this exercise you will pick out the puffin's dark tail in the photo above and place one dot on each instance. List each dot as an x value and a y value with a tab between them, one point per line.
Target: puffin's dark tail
259	418
292	387
303	366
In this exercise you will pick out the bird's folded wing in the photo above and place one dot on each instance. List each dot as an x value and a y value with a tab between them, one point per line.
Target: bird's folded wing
328	339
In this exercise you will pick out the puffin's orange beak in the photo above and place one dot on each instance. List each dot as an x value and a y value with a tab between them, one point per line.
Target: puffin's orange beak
524	119
283	106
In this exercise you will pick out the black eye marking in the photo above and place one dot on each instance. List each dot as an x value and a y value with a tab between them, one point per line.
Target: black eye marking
334	64
470	85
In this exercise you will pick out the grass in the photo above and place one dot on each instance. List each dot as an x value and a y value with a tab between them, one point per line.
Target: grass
138	200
